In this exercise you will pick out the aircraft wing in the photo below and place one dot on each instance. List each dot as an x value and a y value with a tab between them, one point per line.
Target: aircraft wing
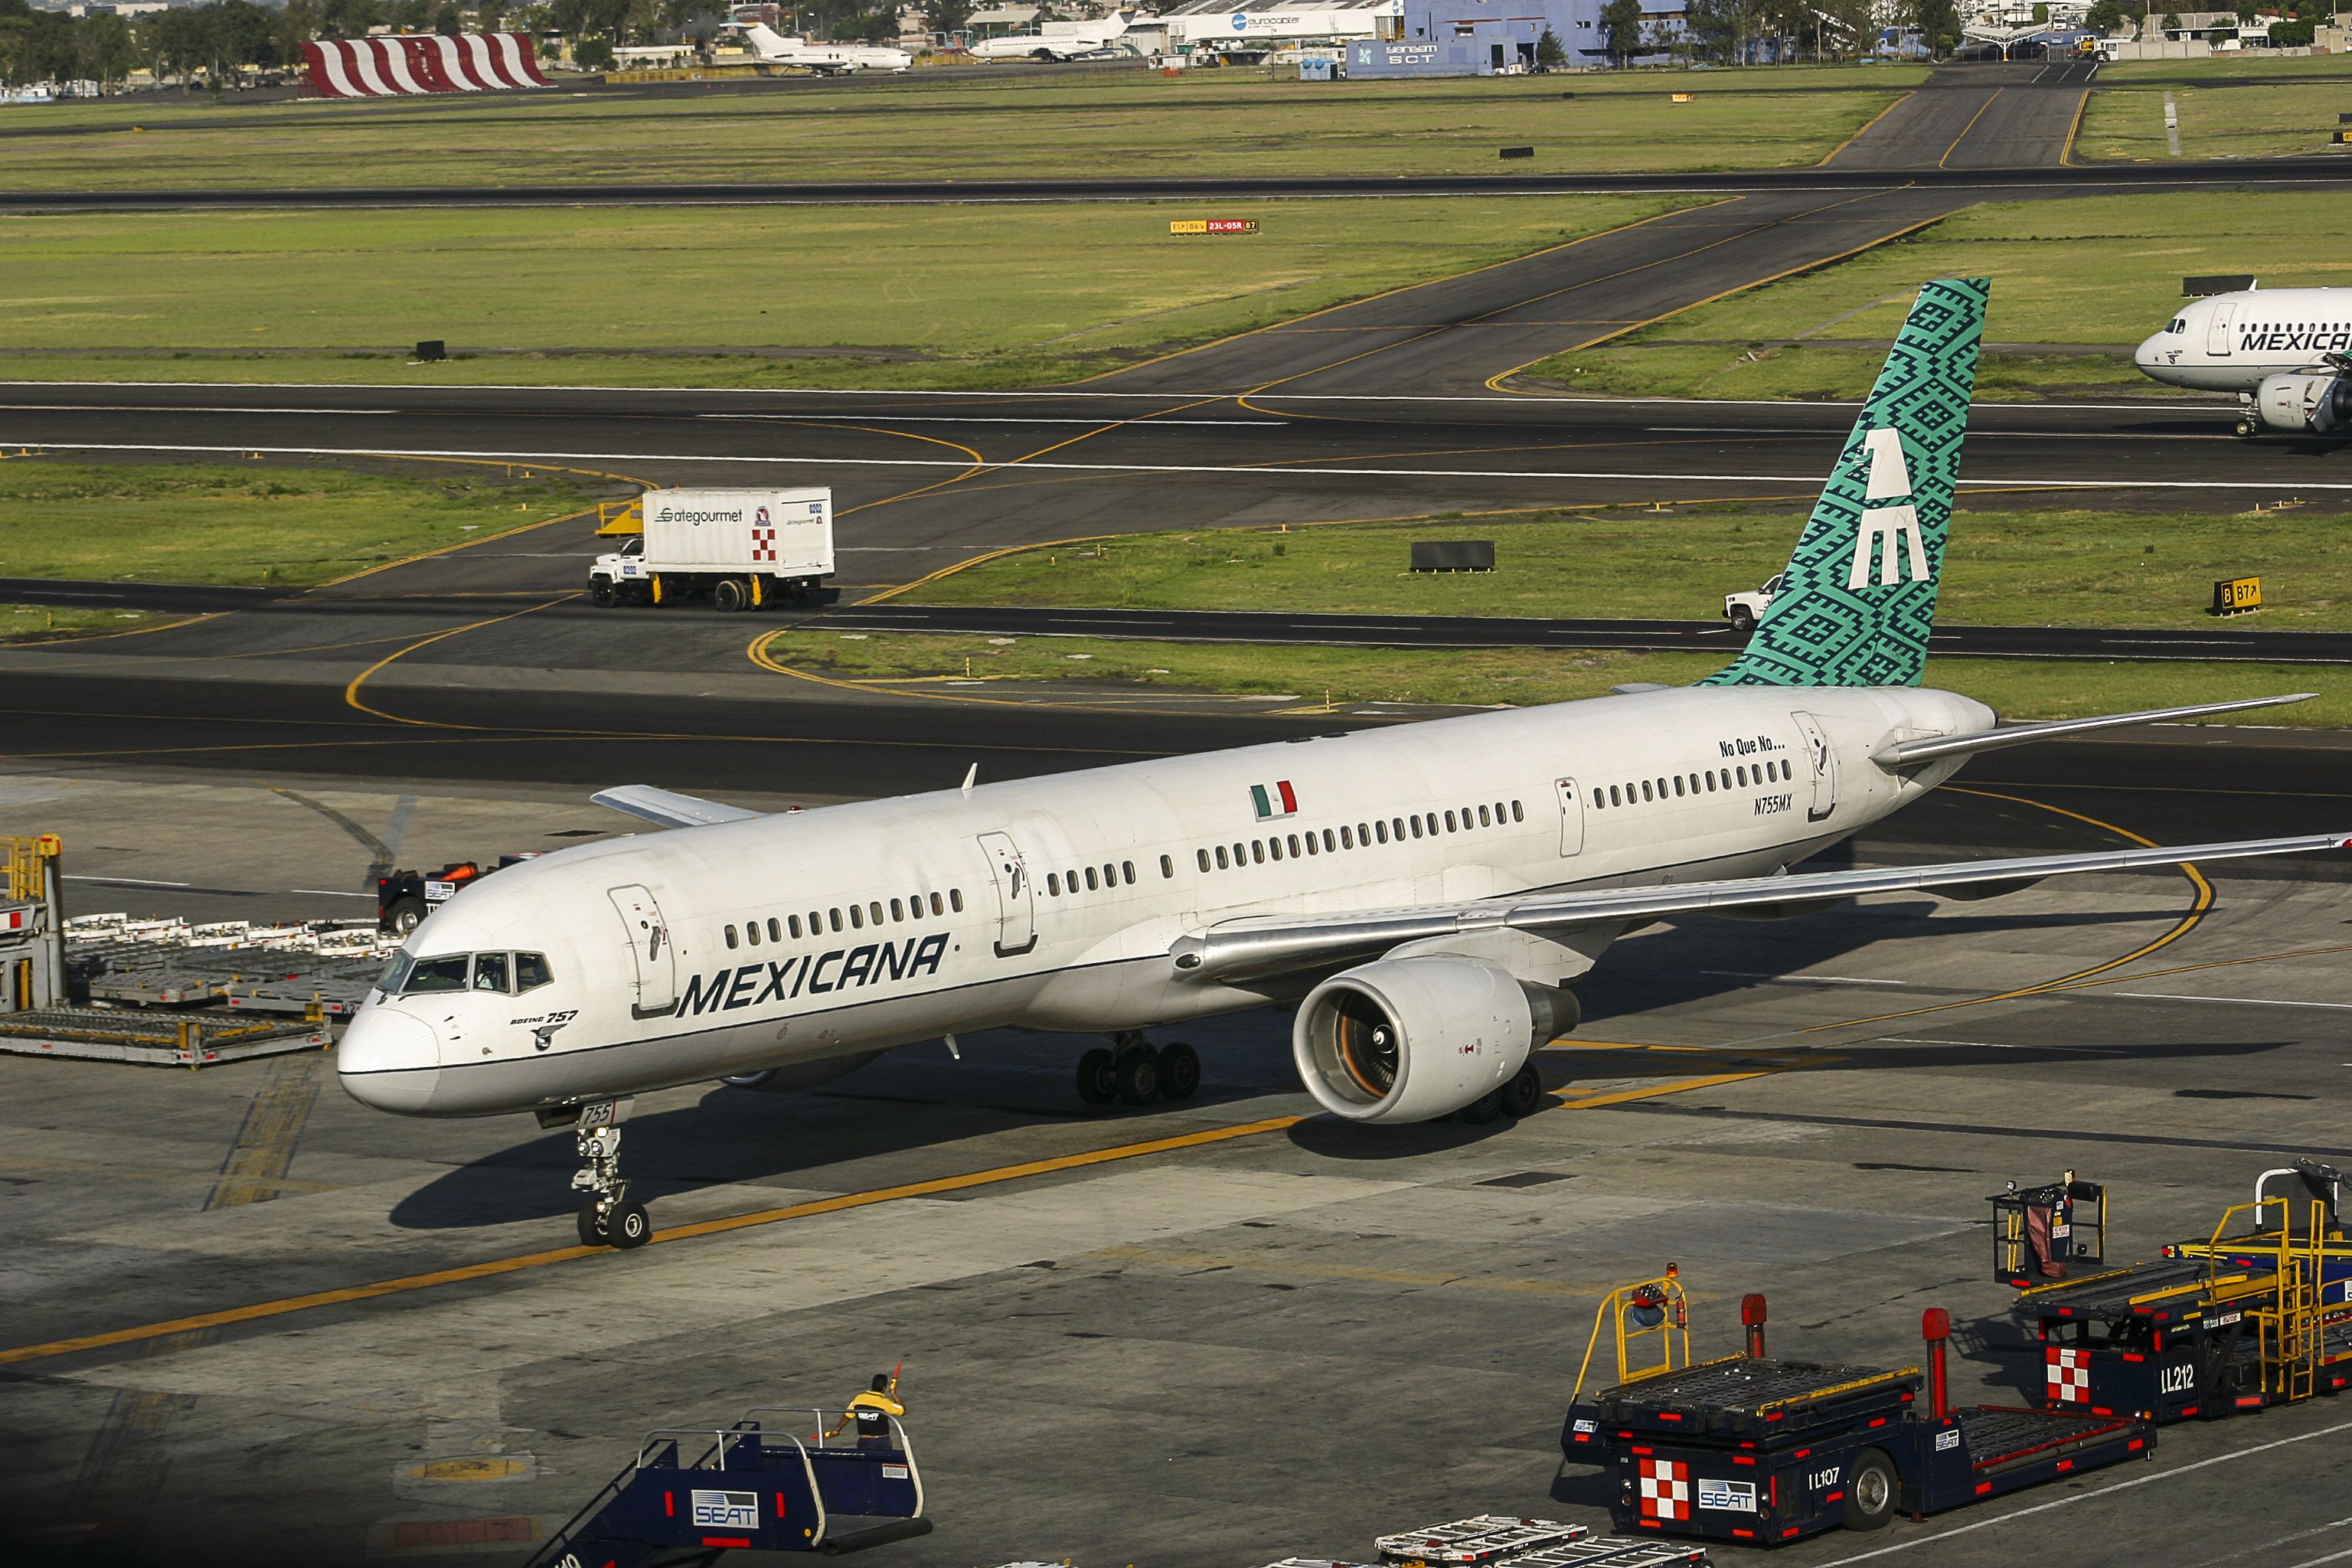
1244	949
667	808
1910	754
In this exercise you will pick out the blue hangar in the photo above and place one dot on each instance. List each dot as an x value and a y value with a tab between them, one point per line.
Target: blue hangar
1491	38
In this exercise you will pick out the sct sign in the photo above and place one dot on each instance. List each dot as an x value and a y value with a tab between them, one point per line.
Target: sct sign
727	1510
1213	226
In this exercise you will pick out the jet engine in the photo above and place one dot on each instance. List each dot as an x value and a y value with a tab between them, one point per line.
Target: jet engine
2304	404
1411	1039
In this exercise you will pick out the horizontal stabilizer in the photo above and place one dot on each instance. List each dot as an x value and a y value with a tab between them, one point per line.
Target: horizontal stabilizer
1250	948
667	808
1910	754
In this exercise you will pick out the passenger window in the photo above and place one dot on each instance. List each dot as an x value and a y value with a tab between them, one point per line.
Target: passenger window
835	915
1645	789
1053	884
1381	828
1110	875
775	930
1599	800
1167	869
937	907
1485	821
1257	850
1126	872
1330	842
437	974
1678	783
1221	856
856	918
955	900
1313	848
1416	826
1275	845
1090	879
731	936
795	927
897	912
1363	836
491	971
874	911
1449	822
1517	814
751	932
1202	856
1294	846
1743	775
531	972
1396	829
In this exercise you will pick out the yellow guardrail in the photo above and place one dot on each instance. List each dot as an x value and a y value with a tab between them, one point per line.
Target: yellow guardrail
620	516
25	861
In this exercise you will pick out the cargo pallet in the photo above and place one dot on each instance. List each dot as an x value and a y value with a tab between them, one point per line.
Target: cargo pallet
1760	1450
2215	1328
1502	1541
149	1039
752	1487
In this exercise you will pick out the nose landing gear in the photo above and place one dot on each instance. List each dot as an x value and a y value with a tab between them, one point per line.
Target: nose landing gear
608	1218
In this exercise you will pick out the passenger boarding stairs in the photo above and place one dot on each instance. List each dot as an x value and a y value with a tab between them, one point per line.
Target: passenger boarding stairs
754	1486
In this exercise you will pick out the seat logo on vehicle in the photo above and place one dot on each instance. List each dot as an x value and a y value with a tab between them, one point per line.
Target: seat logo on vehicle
1896	526
727	1510
1728	1497
755	984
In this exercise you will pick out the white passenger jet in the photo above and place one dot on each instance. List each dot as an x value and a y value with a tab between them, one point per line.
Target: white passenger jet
1425	894
2286	353
1053	41
826	59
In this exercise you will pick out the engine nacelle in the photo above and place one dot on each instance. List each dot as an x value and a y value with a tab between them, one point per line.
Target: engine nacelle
2304	404
1411	1039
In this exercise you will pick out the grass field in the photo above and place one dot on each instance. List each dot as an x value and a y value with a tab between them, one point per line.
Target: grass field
2089	271
932	296
246	524
1205	124
2005	568
2231	106
936	665
39	623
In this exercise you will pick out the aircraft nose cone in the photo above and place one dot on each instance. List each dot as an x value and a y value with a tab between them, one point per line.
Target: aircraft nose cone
388	1059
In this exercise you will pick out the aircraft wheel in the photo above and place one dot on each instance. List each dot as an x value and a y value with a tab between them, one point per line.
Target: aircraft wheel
591	1225
1524	1095
1138	1077
1097	1076
1179	1071
628	1226
1483	1109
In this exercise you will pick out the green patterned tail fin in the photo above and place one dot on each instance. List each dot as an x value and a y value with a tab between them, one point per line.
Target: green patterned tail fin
1860	595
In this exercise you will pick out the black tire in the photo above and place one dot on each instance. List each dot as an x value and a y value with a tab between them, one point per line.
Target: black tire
628	1226
405	915
1043	57
729	594
1483	1109
1138	1077
1871	1493
1098	1076
591	1225
1743	619
1179	1071
1524	1095
604	595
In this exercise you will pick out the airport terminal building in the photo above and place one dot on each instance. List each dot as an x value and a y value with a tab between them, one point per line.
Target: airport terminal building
1482	37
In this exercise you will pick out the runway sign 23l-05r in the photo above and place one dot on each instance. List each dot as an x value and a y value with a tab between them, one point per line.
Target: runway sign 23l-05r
1213	226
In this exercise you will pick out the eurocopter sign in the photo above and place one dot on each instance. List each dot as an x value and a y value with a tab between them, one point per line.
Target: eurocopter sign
1306	23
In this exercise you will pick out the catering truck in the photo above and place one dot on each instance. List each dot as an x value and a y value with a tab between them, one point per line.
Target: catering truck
737	548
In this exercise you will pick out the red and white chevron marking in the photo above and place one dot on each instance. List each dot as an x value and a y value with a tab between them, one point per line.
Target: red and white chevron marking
2066	1375
1666	1488
419	63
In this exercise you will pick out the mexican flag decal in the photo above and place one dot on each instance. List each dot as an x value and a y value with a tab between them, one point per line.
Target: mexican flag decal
1273	800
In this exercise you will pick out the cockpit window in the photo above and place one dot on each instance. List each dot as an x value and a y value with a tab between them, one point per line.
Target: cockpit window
435	974
531	971
489	972
396	974
2179	324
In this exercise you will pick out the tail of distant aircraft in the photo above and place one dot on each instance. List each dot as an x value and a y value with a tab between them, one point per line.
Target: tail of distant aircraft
1859	598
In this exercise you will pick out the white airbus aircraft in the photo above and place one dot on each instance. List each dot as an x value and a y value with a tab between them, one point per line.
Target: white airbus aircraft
1426	894
2286	353
1053	41
826	59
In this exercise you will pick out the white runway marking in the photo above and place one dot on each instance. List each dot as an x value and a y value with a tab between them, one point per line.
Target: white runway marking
329	893
2265	487
2245	1001
993	419
128	881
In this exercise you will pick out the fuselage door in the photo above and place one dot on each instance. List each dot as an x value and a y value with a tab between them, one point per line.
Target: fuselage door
1821	762
1571	817
2217	328
1016	908
649	946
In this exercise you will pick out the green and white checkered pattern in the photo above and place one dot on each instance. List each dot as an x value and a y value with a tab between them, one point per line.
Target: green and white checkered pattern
1859	598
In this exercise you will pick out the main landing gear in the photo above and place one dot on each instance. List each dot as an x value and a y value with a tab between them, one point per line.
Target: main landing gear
608	1218
1518	1098
1134	1073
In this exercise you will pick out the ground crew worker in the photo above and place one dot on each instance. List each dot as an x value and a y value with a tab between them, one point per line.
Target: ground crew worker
872	1411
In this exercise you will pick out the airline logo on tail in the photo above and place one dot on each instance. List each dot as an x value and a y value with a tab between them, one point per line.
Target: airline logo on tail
1890	527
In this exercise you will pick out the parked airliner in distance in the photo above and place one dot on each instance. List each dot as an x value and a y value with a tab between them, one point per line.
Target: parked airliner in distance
824	59
1426	894
2286	353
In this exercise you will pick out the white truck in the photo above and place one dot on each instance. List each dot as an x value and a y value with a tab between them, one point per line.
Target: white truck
1744	610
739	547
